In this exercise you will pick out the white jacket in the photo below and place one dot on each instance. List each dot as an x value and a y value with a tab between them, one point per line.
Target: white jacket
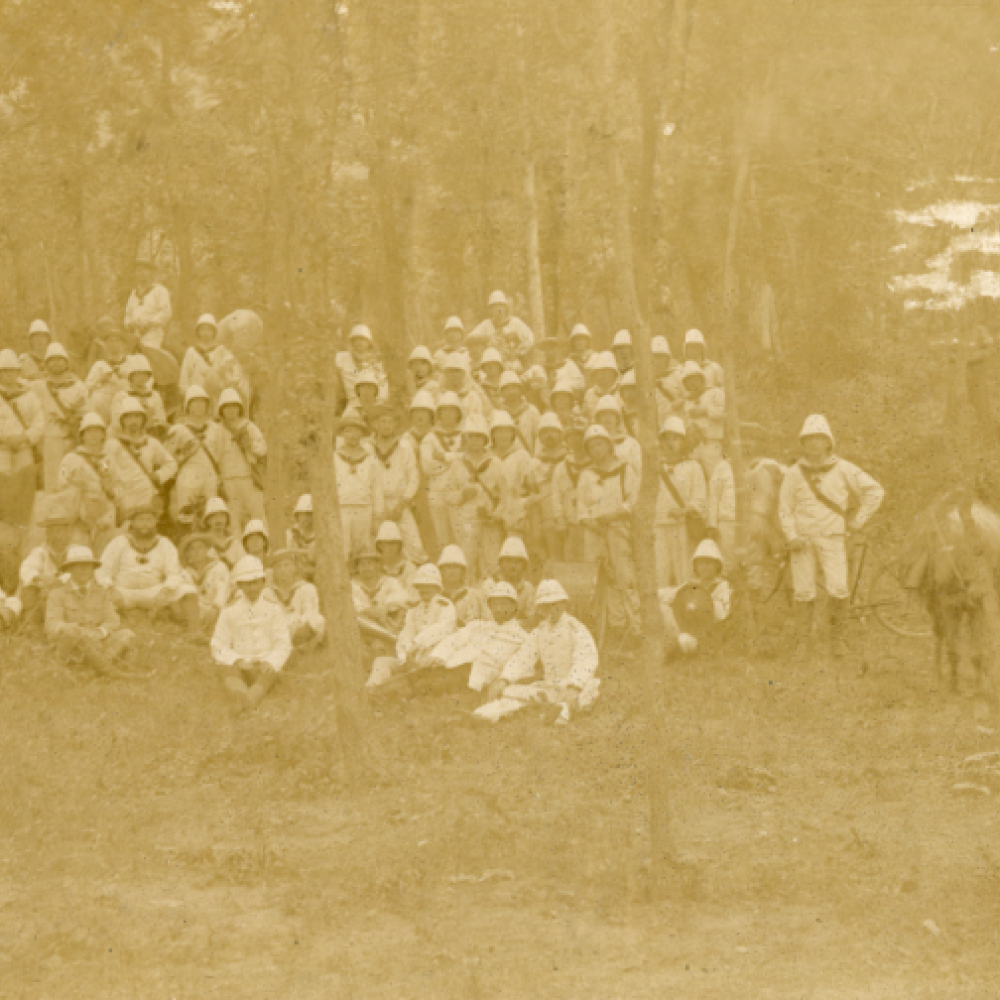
688	478
248	631
566	650
844	484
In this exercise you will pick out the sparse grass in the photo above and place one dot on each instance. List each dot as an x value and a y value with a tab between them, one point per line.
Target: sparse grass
154	845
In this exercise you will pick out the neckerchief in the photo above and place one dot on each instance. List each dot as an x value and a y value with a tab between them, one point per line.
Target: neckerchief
140	394
11	394
457	595
382	456
142	554
57	382
352	462
396	572
141	295
204	354
618	470
516	446
199	578
447	440
281	600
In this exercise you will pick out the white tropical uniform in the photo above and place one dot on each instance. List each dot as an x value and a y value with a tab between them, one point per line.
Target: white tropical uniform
152	403
196	481
350	367
360	492
711	424
437	453
252	632
241	453
142	576
214	370
673	549
212	585
483	645
627	449
106	381
425	626
20	415
526	420
515	340
565	512
86	478
398	472
722	510
148	313
477	525
515	464
612	492
824	531
64	400
301	607
140	468
387	594
569	658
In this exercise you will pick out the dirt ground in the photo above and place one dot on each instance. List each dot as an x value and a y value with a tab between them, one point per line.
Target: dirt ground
152	845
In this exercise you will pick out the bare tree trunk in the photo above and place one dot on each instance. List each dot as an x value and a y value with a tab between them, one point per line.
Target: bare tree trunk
663	849
536	299
384	184
334	585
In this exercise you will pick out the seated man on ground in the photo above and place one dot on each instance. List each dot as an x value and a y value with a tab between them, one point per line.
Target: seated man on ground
256	541
566	651
694	614
468	601
426	625
485	646
251	642
380	602
81	618
302	535
143	568
299	600
218	526
40	570
208	574
389	545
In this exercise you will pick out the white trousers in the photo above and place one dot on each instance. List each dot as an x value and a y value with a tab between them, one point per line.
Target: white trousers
826	554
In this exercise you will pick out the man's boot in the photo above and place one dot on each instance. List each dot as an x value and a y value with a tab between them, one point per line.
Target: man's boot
838	627
803	618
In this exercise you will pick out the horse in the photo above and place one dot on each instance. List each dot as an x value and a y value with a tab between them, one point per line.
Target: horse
940	565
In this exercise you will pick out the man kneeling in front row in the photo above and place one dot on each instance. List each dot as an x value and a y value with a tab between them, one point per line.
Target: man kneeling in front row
251	642
81	619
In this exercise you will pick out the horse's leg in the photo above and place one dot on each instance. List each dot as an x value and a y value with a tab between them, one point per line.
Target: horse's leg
977	638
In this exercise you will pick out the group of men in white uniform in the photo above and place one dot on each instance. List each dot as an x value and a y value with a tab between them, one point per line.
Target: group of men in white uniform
510	456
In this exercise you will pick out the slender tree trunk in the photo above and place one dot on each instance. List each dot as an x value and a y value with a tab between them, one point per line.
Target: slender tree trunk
384	184
663	850
536	299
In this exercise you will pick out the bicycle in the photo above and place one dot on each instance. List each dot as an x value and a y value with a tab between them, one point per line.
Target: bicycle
875	588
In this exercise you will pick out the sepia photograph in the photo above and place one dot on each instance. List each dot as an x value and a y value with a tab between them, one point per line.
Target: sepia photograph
499	501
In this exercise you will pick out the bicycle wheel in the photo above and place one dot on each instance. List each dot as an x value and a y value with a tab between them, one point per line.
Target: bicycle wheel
898	608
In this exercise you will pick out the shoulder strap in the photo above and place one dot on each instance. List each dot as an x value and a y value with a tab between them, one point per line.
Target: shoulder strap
811	480
138	464
9	403
668	481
